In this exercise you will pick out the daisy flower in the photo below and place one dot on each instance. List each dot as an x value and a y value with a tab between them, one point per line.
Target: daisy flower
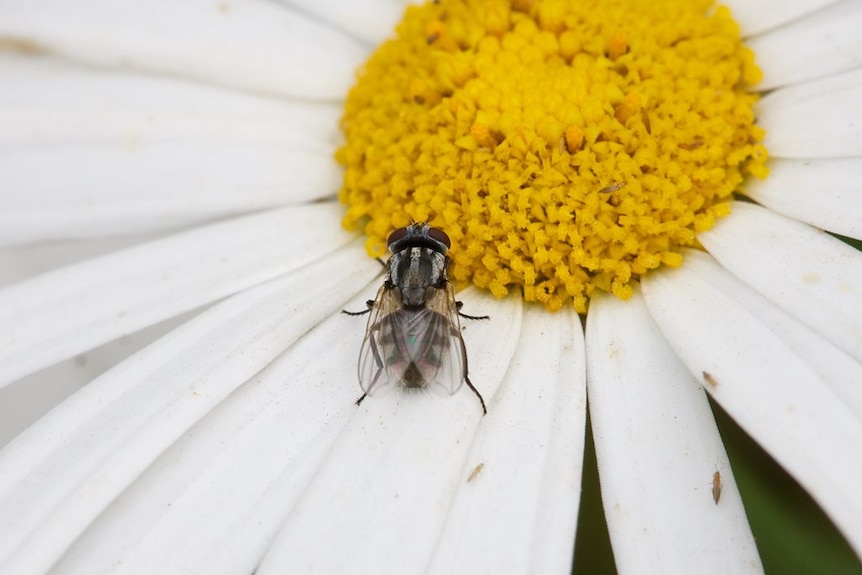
189	195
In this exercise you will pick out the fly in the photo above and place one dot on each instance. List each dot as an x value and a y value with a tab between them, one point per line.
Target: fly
413	337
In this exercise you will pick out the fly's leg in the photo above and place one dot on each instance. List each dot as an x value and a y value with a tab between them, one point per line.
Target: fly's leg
476	391
369	303
469	383
459	305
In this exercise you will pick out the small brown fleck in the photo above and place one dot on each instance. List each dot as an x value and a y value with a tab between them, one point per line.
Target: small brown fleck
710	379
20	45
613	187
716	487
691	146
476	471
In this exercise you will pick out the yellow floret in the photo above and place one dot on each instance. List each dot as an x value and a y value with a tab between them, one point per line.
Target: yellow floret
564	146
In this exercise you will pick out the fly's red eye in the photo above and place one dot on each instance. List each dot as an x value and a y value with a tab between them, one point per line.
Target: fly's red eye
440	236
398	234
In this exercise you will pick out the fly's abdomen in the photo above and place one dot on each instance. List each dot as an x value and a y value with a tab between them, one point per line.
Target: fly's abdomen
414	345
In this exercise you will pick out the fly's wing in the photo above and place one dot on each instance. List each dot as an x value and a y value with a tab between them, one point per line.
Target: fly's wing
380	363
437	349
413	348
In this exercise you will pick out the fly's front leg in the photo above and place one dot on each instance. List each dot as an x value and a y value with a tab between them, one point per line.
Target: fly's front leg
460	304
369	303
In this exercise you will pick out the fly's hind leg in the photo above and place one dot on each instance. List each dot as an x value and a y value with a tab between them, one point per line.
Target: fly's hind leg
458	306
370	306
476	391
378	360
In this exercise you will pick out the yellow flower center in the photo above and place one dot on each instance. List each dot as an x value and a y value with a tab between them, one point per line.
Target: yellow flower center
563	146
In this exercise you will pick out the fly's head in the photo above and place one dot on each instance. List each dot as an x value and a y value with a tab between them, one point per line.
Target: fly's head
418	263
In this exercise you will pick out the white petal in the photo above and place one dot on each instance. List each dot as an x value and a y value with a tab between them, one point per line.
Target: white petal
61	313
22	262
824	193
755	17
371	20
130	153
130	110
523	473
261	445
249	44
818	45
813	276
381	498
817	119
60	474
762	370
31	397
658	449
46	213
64	202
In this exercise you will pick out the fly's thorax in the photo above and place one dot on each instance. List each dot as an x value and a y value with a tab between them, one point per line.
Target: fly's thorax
415	270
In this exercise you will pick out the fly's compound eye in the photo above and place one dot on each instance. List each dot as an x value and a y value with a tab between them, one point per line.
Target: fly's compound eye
440	236
418	235
395	236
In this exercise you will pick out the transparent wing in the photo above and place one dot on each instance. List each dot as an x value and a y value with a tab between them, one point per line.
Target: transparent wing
444	366
378	366
413	348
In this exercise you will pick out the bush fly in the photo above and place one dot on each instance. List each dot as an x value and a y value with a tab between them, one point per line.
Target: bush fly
413	338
